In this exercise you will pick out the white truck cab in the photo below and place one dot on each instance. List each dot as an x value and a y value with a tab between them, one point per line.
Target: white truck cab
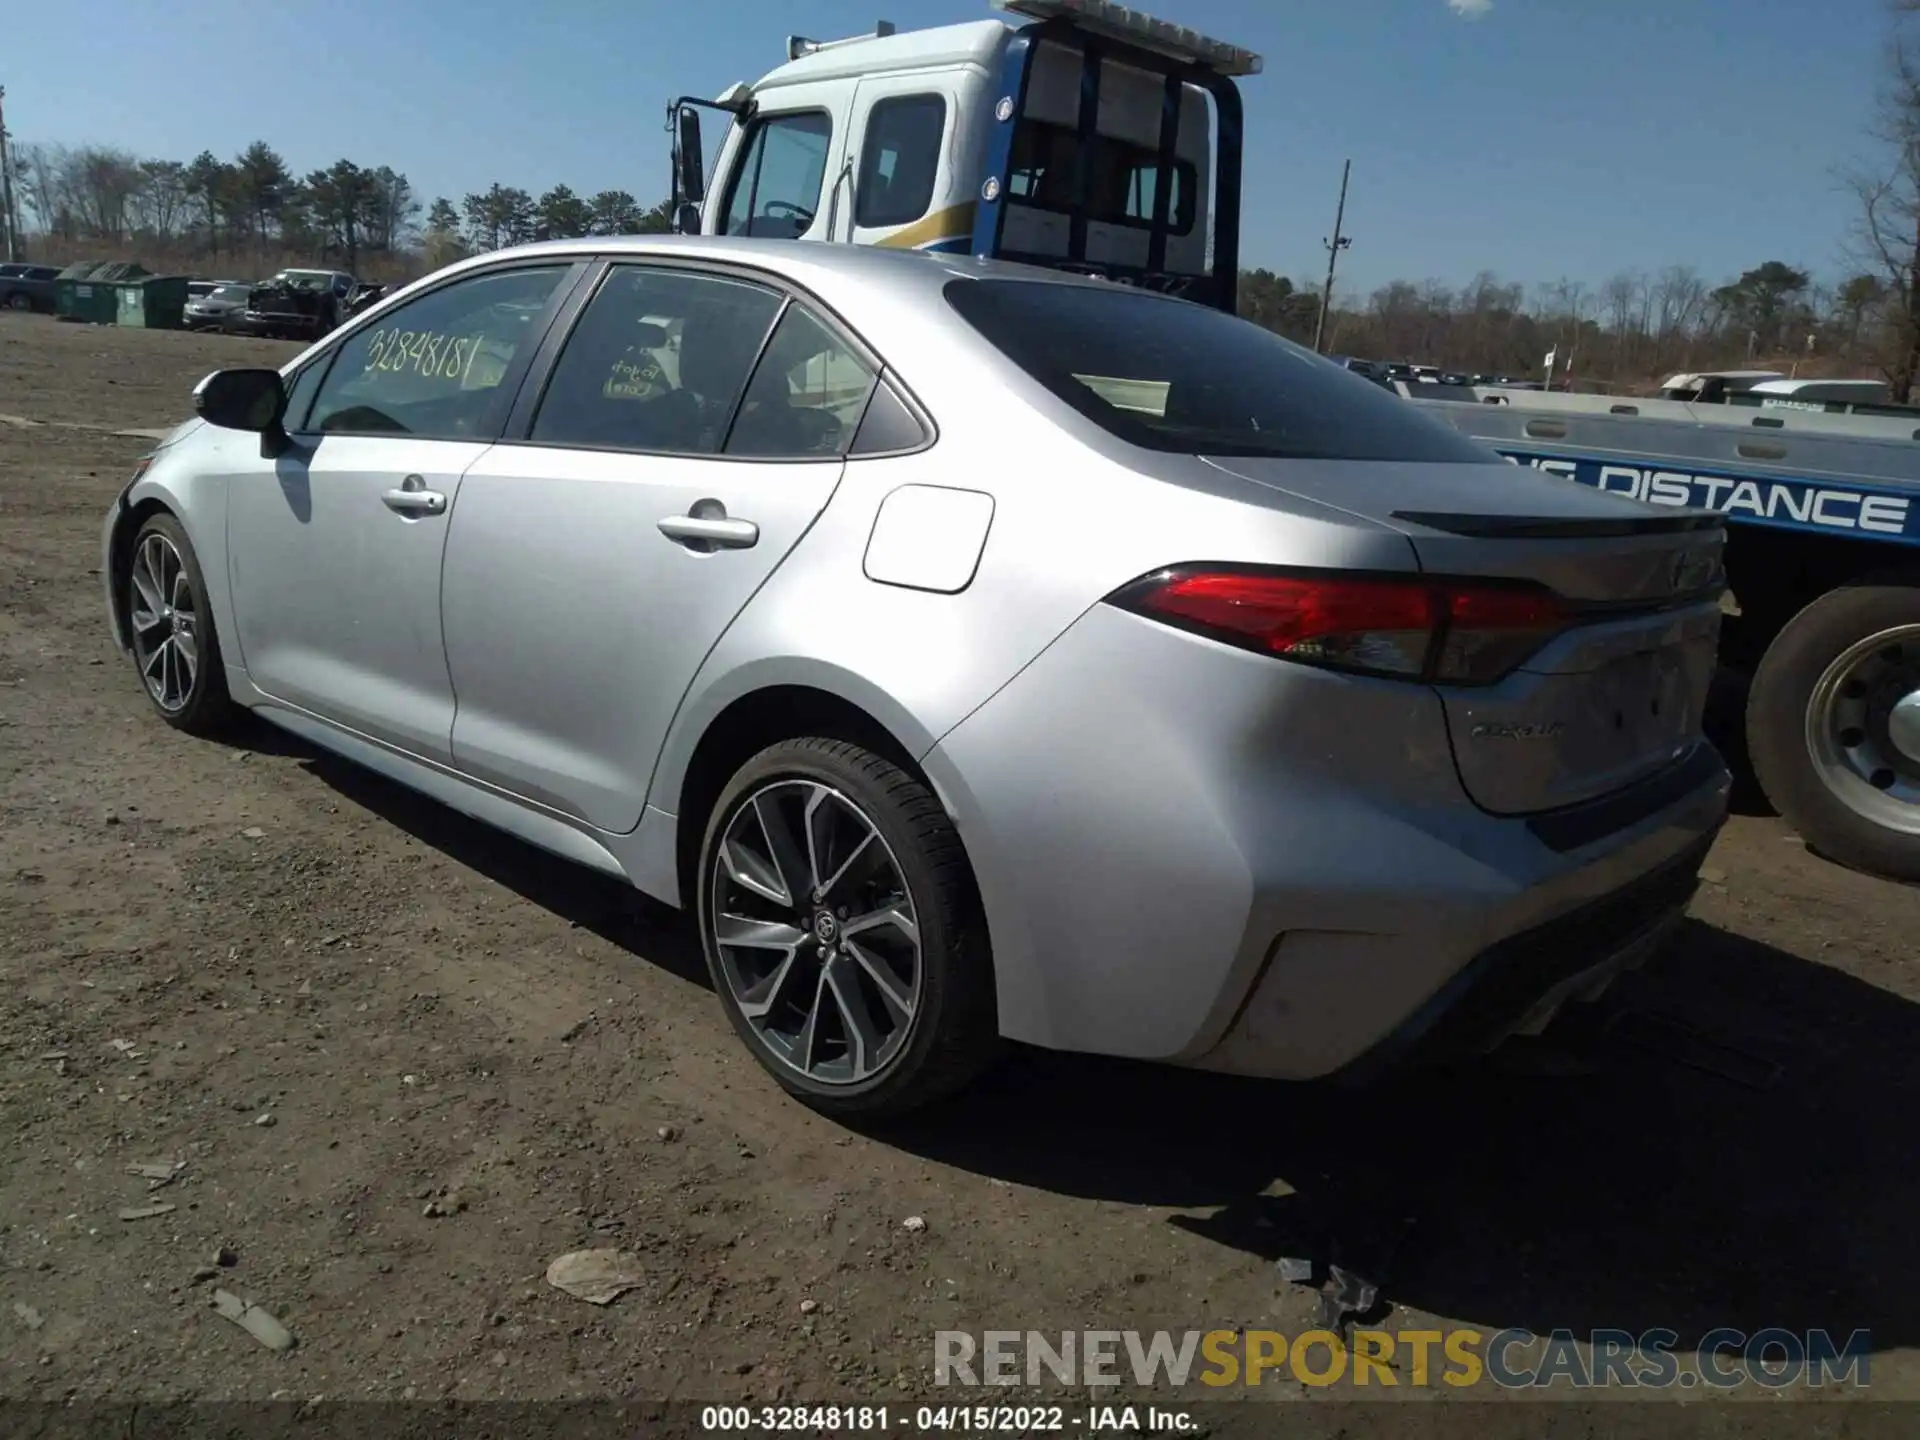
1090	137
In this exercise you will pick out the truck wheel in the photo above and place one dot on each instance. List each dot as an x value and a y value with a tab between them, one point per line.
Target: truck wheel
1833	726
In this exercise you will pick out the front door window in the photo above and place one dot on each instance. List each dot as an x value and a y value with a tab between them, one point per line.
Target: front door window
777	185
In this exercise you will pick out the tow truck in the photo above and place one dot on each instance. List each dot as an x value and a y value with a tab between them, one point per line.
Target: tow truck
1087	136
1822	501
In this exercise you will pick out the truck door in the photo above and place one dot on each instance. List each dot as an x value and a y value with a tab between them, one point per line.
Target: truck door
910	184
776	174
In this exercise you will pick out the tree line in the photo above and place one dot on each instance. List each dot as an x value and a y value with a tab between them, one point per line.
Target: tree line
254	204
1630	327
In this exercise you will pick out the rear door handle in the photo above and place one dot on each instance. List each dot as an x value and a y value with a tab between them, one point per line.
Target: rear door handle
413	498
716	532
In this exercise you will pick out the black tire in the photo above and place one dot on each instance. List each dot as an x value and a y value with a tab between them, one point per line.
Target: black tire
19	301
1778	726
953	1033
206	709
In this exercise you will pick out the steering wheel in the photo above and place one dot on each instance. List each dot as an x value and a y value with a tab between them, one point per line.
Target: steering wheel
784	210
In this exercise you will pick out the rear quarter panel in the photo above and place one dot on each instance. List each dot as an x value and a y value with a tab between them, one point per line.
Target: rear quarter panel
1075	516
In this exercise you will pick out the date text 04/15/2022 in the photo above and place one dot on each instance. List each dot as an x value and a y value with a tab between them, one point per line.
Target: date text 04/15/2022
948	1419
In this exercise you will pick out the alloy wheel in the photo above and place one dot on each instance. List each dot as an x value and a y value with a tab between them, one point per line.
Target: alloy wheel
815	931
165	614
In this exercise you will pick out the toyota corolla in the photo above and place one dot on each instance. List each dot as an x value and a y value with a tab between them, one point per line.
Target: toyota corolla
979	653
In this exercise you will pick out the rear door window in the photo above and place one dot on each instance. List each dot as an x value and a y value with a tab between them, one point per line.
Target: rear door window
1171	375
899	159
807	396
657	363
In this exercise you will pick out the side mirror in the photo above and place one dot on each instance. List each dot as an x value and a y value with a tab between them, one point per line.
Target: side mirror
686	220
241	400
689	159
250	400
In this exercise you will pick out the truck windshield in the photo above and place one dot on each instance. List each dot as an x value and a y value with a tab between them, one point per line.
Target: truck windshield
1171	375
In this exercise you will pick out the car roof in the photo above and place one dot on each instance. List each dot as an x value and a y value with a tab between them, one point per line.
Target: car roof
804	262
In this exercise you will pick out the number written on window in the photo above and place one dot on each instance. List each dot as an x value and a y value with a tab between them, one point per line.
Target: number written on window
436	367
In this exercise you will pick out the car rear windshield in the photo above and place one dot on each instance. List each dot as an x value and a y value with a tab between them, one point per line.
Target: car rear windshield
1172	375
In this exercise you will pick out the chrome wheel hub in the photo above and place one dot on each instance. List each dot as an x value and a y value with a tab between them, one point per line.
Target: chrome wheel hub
815	932
1903	725
1863	728
165	632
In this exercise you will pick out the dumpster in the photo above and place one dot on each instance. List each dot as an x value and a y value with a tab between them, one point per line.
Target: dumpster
86	290
154	302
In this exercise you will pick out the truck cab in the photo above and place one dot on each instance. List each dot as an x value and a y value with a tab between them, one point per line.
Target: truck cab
1083	136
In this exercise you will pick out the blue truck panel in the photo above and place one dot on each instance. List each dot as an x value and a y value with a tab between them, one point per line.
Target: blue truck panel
1818	506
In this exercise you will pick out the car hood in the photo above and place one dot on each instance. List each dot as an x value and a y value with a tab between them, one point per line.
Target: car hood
177	434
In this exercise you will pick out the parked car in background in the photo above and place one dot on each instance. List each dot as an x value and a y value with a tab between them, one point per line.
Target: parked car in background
27	287
980	652
365	296
1372	370
298	304
220	307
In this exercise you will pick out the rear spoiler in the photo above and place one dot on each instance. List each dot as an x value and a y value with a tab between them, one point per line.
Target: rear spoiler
1554	527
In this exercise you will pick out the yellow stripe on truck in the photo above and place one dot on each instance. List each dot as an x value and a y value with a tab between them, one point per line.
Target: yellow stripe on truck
953	223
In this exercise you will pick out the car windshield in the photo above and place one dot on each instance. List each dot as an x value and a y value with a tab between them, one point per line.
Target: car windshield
229	292
1175	376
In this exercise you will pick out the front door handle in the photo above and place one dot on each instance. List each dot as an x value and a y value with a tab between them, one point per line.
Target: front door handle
711	532
413	498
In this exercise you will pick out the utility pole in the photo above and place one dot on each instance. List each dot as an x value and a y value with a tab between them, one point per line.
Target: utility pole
9	216
1334	246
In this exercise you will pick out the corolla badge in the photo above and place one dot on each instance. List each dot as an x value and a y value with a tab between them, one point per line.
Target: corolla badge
1528	730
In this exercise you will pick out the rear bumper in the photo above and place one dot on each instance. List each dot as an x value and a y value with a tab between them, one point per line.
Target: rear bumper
1198	855
1518	984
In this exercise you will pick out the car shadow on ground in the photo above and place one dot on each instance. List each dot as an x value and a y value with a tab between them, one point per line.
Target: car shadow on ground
614	911
1739	1155
1742	1155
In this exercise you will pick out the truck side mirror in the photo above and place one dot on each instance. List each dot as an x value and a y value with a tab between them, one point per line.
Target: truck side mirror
690	158
686	220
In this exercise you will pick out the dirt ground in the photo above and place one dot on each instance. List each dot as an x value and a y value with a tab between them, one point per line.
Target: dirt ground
407	1062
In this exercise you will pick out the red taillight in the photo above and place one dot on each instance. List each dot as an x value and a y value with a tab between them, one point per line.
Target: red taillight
1458	632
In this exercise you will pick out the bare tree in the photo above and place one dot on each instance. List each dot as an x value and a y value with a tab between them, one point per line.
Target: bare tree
162	207
1679	300
102	185
1620	303
43	188
1887	233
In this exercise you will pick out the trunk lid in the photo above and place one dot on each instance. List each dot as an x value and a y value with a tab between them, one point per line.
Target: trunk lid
1617	696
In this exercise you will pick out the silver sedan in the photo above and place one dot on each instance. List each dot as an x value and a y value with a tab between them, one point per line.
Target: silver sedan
981	653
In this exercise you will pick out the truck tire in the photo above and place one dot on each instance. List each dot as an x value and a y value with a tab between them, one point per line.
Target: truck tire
1833	726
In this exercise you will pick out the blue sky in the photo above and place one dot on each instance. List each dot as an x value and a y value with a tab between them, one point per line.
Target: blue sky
1539	139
